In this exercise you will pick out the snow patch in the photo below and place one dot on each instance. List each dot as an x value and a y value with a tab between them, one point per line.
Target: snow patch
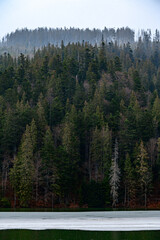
91	221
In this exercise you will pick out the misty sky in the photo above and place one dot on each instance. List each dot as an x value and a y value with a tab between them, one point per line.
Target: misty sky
136	14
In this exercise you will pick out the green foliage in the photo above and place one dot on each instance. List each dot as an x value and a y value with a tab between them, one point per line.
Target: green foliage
137	81
48	167
115	176
143	172
5	203
129	181
117	64
81	97
22	173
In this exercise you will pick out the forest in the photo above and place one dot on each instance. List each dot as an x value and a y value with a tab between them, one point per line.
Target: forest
28	41
80	126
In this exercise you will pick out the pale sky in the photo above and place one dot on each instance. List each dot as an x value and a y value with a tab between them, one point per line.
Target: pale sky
136	14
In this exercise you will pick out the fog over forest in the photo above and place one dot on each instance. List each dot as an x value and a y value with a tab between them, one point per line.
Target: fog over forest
27	41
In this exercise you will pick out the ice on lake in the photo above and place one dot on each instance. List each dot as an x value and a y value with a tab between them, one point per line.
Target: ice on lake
93	221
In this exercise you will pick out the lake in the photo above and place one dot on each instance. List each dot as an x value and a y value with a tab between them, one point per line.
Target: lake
77	235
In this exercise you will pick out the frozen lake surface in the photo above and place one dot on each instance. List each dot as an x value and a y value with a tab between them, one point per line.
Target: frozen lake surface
93	221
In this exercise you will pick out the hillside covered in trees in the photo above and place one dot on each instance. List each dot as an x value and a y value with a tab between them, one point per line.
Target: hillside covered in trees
27	41
80	125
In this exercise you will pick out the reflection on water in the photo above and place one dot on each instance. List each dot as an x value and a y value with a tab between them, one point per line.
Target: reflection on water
77	235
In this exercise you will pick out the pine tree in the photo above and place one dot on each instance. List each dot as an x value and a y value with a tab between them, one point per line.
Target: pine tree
156	114
137	81
102	57
115	175
48	168
100	153
117	64
71	146
106	160
143	173
129	181
95	158
22	173
41	119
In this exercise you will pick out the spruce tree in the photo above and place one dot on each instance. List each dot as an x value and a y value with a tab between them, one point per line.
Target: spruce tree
71	145
129	181
115	175
48	168
22	173
143	173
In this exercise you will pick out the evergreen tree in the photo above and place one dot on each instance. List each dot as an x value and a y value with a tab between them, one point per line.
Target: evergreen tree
143	173
137	81
114	175
41	119
129	181
102	57
100	153
156	114
71	145
95	158
22	173
48	168
117	64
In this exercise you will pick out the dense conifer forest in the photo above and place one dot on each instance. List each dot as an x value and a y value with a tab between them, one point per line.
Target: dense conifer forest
80	125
